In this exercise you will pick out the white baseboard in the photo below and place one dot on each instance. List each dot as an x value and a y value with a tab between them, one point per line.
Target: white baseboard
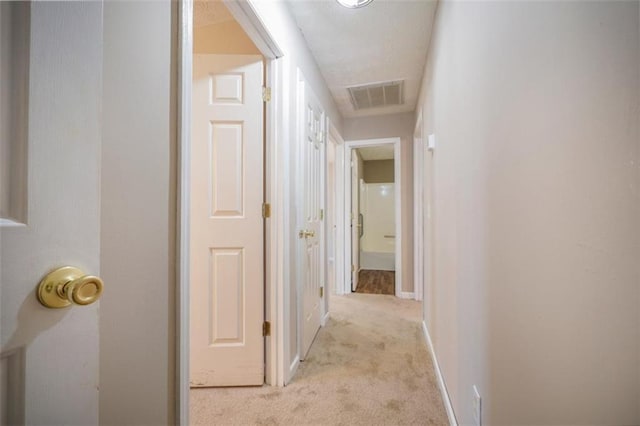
292	369
324	319
441	384
407	295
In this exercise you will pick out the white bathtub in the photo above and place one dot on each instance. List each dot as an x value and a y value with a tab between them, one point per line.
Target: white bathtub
377	261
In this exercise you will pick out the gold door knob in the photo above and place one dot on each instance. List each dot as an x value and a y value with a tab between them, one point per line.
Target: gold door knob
69	285
306	233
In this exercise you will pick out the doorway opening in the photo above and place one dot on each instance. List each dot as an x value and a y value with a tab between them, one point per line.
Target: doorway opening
373	208
373	217
229	153
227	191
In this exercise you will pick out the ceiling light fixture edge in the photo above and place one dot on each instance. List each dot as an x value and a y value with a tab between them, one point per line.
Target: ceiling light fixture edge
354	4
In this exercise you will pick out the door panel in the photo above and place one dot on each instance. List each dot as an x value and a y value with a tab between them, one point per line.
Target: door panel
311	150
227	255
226	169
49	357
227	286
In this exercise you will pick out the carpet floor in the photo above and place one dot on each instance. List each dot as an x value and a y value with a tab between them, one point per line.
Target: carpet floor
368	366
376	282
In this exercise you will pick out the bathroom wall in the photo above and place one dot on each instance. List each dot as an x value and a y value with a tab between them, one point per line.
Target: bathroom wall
378	171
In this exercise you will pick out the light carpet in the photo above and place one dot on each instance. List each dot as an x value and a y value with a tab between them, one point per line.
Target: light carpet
368	366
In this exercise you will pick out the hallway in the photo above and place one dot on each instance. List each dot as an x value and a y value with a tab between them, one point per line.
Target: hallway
517	127
369	365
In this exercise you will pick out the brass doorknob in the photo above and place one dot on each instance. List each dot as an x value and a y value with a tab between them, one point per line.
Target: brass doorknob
69	285
306	233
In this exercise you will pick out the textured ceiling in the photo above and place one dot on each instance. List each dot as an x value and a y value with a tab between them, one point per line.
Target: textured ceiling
210	12
386	40
379	152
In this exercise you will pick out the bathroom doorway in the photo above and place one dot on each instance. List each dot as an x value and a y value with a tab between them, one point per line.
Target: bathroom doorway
374	193
372	201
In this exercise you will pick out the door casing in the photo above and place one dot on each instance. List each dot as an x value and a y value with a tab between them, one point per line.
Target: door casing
418	210
355	161
337	192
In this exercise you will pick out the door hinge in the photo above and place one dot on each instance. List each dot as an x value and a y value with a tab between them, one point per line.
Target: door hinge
266	210
321	291
266	329
266	94
353	268
321	214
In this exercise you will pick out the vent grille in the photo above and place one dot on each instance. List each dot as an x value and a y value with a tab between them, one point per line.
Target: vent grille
377	95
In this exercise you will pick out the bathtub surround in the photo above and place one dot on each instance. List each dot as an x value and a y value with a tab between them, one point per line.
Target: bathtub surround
378	242
369	365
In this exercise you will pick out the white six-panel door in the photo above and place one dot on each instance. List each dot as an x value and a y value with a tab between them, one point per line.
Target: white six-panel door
227	271
49	357
310	218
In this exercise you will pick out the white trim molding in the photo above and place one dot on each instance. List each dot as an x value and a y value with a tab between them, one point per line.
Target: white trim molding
407	295
339	262
294	366
325	318
185	35
418	211
245	14
440	378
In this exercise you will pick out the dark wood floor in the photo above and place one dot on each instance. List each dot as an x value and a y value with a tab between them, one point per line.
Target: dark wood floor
376	282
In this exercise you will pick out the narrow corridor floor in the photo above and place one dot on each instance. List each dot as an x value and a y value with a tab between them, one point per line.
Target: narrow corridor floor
368	366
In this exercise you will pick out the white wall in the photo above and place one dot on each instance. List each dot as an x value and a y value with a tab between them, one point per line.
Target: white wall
285	32
137	332
395	125
535	108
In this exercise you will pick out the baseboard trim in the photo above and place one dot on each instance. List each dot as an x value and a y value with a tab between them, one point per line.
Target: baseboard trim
407	295
324	319
441	384
292	369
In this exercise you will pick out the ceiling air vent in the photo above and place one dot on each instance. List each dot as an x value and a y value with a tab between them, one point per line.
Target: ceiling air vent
377	95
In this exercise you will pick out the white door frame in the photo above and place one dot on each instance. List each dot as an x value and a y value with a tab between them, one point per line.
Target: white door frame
275	162
418	210
397	161
355	203
339	243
